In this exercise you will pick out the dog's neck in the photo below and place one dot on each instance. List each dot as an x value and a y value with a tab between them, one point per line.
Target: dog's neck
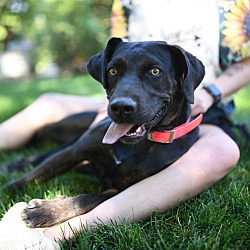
176	114
175	123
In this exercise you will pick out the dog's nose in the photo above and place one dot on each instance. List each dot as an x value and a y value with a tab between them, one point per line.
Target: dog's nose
122	107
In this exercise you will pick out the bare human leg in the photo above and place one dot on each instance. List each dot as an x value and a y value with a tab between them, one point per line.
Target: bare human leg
48	108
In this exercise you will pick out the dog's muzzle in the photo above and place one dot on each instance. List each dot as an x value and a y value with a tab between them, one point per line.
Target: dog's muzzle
122	107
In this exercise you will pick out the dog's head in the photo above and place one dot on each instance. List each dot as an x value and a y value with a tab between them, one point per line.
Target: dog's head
147	84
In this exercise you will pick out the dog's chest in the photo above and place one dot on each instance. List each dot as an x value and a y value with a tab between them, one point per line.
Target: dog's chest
123	165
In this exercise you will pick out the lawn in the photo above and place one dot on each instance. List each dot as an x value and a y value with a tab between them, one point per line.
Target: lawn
219	218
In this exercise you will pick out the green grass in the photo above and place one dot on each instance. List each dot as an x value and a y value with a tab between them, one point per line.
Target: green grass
219	218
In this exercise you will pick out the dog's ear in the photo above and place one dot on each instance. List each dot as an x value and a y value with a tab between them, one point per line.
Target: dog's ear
97	66
191	70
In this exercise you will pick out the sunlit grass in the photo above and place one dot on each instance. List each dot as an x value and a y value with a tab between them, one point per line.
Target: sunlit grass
242	101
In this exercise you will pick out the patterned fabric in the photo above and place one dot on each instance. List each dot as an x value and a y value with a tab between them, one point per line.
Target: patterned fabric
119	19
234	31
190	24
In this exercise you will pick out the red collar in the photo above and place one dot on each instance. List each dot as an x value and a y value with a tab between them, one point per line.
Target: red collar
177	132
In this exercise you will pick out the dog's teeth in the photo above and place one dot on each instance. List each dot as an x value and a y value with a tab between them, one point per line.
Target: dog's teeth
138	130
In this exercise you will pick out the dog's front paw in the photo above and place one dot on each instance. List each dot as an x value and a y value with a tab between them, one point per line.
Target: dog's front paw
19	165
12	186
45	213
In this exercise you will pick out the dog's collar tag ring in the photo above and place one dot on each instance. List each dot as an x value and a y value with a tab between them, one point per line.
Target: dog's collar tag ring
170	135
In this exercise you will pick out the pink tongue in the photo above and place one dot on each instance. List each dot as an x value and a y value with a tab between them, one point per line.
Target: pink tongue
116	131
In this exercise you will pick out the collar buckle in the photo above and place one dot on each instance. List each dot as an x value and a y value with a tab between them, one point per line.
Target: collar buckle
171	134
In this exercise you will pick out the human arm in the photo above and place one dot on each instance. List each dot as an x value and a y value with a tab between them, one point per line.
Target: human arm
229	82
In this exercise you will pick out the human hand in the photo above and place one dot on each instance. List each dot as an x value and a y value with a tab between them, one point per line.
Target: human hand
202	102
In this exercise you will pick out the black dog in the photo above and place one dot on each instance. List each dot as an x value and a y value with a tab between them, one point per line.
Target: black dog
150	87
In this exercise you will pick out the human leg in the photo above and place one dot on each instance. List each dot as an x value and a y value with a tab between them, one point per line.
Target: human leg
202	166
48	108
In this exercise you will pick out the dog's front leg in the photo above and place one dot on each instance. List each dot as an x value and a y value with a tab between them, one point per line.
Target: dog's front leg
45	213
64	159
53	166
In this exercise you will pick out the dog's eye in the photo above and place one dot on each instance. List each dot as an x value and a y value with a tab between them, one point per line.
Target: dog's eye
154	71
112	72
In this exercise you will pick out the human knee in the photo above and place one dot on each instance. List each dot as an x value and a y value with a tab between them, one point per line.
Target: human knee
47	97
228	153
222	156
218	152
46	108
49	102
